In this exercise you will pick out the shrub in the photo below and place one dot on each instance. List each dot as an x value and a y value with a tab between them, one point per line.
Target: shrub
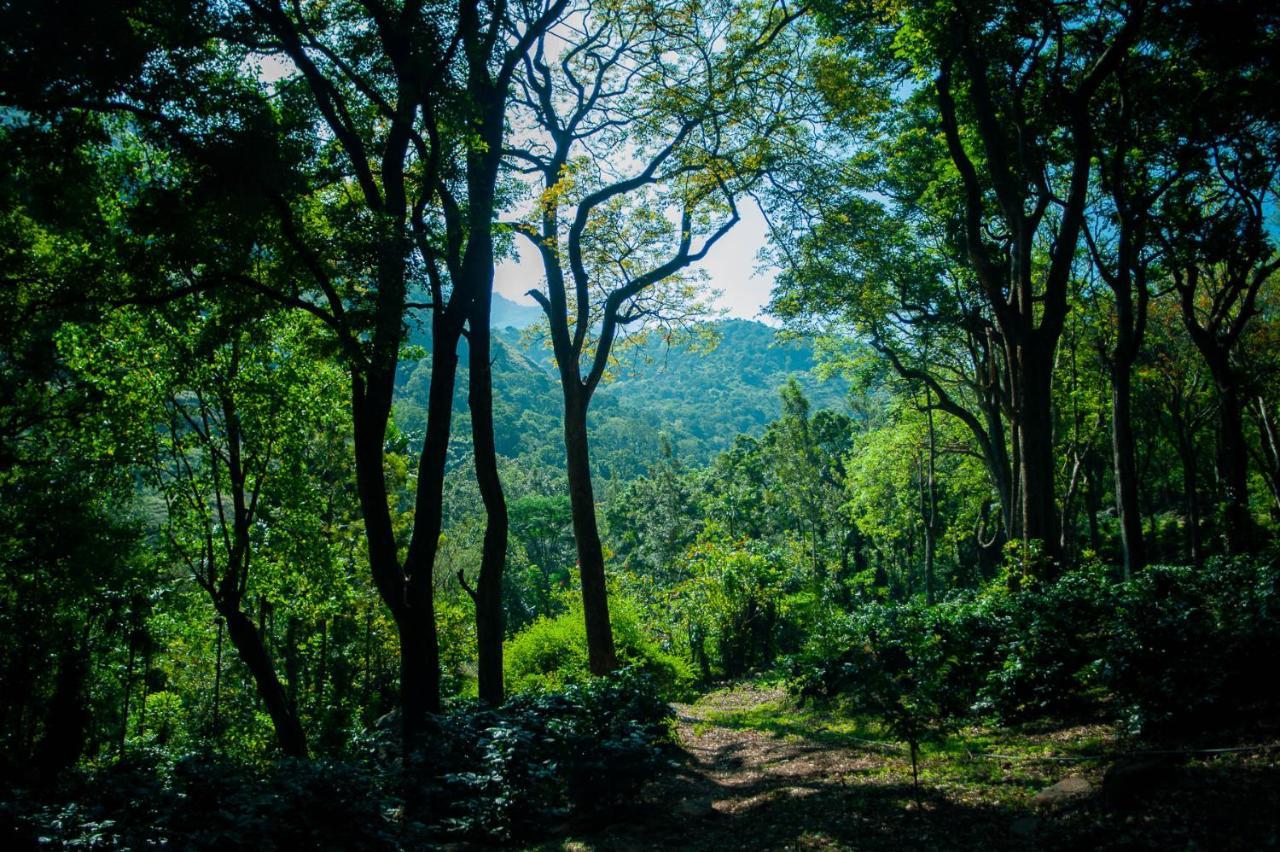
740	609
489	776
1191	646
1048	639
898	664
551	653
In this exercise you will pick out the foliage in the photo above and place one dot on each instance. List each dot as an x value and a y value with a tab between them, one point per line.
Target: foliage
739	607
1188	648
1046	643
547	754
493	776
552	652
1174	648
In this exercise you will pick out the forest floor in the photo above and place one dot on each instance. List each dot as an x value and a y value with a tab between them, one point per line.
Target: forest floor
755	771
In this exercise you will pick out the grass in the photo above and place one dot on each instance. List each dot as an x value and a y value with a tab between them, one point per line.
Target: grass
1003	766
762	771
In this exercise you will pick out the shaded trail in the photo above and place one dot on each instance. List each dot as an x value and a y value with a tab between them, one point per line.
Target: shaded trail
740	788
746	778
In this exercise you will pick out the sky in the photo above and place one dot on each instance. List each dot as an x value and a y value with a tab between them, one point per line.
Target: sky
731	265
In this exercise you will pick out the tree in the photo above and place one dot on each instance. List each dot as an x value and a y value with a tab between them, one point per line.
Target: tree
1219	264
1013	89
673	86
409	104
1133	176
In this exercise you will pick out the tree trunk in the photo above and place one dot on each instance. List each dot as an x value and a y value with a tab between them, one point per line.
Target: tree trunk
1269	452
996	456
67	719
929	503
408	591
488	592
1126	469
602	658
292	669
248	643
1235	464
1093	500
1190	488
1036	472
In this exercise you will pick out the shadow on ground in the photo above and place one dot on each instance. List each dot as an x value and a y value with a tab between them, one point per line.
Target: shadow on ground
744	788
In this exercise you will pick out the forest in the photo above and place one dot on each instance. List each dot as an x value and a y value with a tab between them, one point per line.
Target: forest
316	532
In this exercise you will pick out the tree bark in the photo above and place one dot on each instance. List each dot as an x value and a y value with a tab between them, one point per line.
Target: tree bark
1190	486
407	591
1126	468
1037	470
488	591
252	651
601	655
1234	462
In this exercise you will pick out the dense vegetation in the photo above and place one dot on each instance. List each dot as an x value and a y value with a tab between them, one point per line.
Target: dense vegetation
308	538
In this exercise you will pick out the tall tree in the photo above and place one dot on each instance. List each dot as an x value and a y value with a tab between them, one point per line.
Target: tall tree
1220	261
1013	87
691	92
238	402
410	103
1138	161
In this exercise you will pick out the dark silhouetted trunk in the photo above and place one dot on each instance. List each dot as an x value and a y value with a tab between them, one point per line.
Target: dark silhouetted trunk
1126	468
1269	451
929	502
602	658
253	653
292	670
408	592
488	592
1093	500
1184	433
1234	464
1033	421
67	718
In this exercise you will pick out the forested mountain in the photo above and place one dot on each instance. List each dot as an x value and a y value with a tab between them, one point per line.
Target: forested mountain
695	395
310	539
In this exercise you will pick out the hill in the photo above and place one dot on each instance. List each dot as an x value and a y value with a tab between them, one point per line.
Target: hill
696	401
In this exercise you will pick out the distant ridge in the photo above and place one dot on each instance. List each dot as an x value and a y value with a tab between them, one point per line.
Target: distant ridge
509	314
694	403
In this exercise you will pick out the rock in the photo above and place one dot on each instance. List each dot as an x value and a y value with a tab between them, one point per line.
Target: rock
1127	784
1069	789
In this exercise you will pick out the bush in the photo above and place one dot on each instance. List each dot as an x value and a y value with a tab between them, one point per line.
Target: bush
1047	643
1192	646
900	665
1173	648
489	776
546	755
740	609
551	653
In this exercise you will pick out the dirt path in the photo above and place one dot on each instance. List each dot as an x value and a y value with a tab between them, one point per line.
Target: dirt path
751	774
741	788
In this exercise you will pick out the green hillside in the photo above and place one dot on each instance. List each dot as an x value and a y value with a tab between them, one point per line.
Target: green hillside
696	400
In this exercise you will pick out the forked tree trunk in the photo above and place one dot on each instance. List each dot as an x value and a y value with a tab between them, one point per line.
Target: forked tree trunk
408	591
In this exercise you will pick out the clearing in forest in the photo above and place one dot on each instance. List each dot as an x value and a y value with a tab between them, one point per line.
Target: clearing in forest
756	772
